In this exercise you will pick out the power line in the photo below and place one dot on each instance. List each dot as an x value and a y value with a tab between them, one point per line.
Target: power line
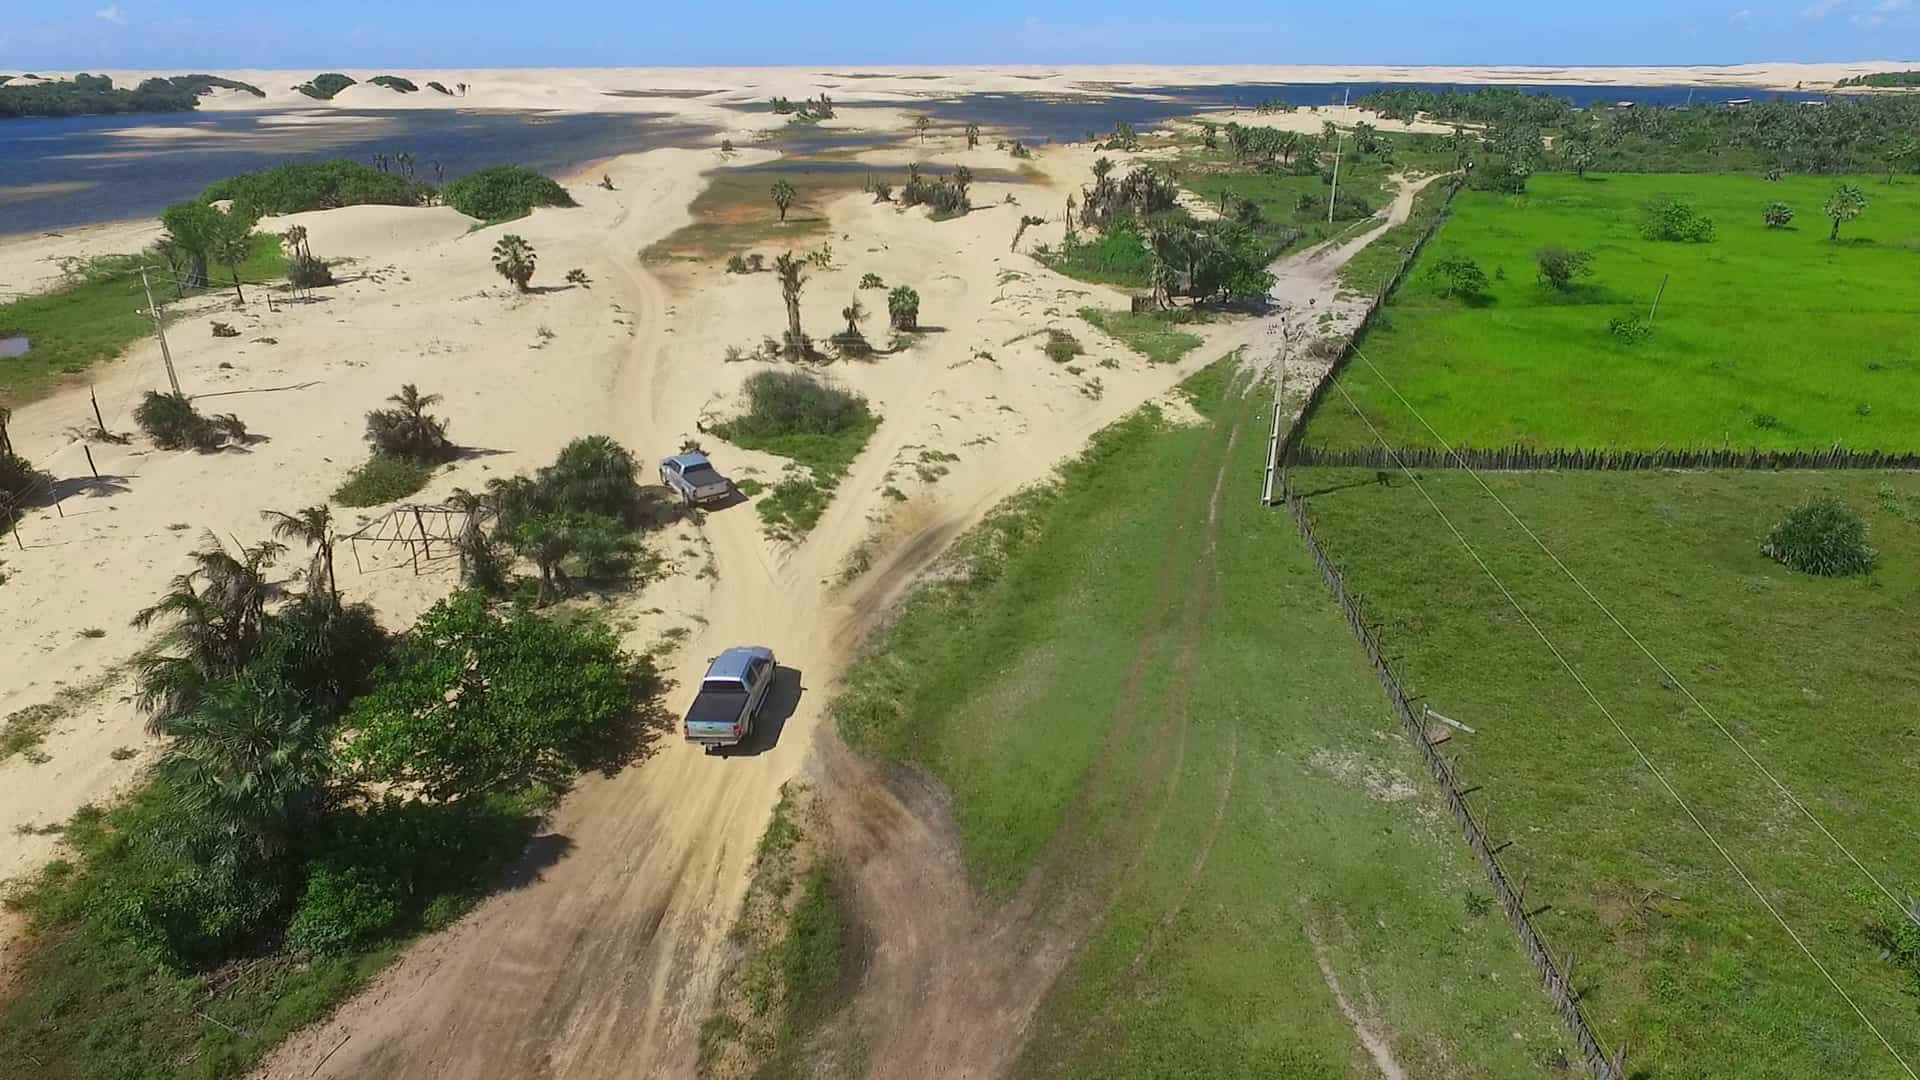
1622	731
1635	638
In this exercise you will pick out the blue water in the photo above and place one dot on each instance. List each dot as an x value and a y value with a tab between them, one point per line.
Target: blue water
70	171
102	173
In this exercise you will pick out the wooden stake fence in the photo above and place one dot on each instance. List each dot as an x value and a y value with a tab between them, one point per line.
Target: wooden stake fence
1556	976
1528	458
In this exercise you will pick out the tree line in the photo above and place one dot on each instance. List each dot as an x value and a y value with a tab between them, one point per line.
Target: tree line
93	95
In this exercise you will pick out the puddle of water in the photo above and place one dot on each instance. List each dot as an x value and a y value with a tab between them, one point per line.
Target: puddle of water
14	346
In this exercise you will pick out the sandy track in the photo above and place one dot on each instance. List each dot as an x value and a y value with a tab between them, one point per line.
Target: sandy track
602	957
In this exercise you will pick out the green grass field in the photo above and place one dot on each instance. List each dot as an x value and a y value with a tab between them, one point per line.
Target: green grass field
96	319
1815	676
1771	338
1154	335
1189	731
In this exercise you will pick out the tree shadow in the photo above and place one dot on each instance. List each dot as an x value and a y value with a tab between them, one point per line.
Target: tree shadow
543	290
257	390
639	734
783	698
542	852
470	453
92	487
1380	478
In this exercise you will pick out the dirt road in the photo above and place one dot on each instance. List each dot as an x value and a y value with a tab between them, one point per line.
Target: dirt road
602	955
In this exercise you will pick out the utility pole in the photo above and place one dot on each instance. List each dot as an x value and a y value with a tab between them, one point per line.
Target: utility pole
1338	142
153	312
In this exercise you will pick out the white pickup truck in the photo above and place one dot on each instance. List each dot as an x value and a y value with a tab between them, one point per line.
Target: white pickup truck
695	479
731	695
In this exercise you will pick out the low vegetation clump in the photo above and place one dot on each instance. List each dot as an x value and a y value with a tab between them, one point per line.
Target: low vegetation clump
440	87
1061	346
903	308
173	423
382	479
395	82
515	260
18	478
1153	334
1670	219
946	195
1559	267
300	186
1459	277
1821	537
324	86
1777	215
1629	329
305	270
503	193
819	426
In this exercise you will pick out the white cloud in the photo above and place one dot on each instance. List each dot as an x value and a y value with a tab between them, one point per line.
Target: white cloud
112	14
1820	9
1867	22
1890	6
1741	17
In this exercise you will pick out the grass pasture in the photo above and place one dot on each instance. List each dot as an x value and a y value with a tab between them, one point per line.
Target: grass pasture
1815	676
1225	691
1765	338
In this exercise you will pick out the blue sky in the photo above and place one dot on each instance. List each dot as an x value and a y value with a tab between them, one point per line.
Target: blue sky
69	34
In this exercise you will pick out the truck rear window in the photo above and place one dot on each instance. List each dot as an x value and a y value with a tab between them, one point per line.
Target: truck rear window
701	475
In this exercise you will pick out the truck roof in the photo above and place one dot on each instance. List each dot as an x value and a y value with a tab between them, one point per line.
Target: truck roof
732	664
689	460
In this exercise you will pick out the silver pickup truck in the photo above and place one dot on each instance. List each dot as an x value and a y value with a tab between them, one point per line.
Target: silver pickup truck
695	479
734	690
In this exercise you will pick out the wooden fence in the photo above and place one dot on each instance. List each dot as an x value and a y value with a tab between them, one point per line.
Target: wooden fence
1557	976
1285	446
1516	458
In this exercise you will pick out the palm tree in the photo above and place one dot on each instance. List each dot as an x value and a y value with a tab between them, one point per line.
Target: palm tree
921	123
783	195
853	313
514	258
547	540
903	308
312	527
480	564
973	136
251	761
407	430
215	615
791	273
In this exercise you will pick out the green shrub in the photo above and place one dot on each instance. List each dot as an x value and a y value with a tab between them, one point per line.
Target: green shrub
408	431
736	263
172	422
504	192
382	478
440	87
1894	930
1672	220
1560	266
1778	215
318	185
394	82
342	909
17	478
903	308
1629	329
1062	346
325	85
871	280
1118	257
472	702
1821	536
784	403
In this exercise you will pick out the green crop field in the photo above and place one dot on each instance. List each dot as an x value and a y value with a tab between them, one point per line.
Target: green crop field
1182	737
1814	676
1769	338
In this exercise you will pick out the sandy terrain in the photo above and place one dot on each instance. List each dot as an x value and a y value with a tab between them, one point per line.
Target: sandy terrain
698	93
602	956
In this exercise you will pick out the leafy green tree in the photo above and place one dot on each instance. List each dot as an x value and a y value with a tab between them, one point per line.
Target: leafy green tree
514	259
593	475
1580	157
407	430
1845	203
213	617
1559	267
1903	156
233	242
1460	277
472	702
783	196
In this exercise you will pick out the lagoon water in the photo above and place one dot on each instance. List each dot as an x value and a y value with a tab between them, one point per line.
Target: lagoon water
71	171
